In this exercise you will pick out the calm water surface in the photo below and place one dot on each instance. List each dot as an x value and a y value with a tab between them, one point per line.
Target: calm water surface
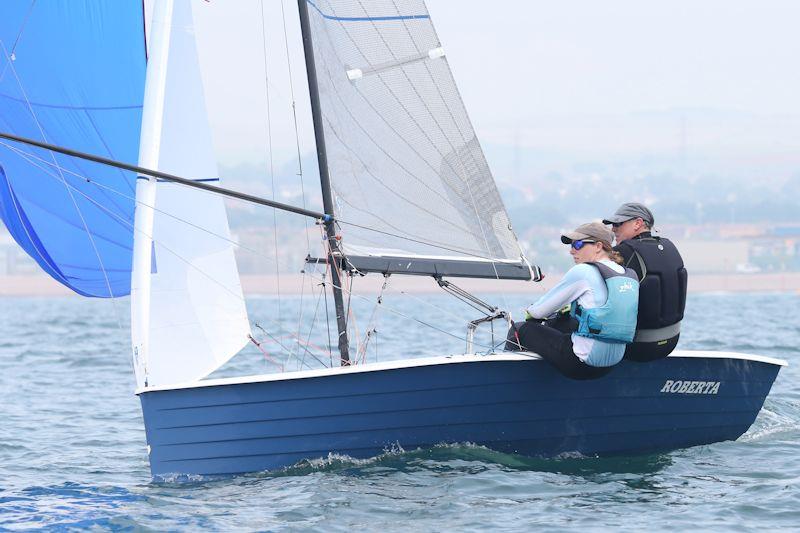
72	445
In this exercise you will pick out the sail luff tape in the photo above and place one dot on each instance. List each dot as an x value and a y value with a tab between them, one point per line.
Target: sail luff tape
358	73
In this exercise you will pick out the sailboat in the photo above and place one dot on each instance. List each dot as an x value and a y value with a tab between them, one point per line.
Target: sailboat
88	87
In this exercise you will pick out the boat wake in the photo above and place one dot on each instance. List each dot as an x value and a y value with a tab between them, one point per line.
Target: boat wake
444	458
780	417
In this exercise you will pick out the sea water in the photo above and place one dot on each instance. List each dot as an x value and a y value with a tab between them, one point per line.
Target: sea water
72	444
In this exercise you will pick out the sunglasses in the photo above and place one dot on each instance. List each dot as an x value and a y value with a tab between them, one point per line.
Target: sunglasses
577	245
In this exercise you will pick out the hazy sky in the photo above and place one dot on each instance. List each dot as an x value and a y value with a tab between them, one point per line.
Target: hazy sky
570	76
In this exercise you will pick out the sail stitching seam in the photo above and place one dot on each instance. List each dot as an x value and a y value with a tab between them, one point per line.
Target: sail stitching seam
386	122
83	221
419	127
441	128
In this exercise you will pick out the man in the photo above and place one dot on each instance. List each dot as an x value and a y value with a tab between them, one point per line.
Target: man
662	281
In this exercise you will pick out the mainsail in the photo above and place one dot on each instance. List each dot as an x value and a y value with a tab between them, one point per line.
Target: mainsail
72	73
188	313
411	185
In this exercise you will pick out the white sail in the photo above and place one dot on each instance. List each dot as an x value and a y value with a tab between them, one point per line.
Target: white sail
408	174
188	312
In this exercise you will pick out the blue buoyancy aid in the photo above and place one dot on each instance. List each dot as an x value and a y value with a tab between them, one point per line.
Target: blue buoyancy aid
615	320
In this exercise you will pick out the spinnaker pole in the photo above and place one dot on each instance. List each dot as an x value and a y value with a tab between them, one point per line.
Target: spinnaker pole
325	181
192	183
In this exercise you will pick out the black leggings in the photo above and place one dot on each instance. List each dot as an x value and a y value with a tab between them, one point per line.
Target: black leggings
553	346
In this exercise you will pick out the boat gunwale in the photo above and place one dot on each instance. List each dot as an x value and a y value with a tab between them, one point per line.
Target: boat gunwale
420	362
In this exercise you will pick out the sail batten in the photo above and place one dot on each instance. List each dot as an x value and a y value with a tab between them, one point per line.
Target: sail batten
403	158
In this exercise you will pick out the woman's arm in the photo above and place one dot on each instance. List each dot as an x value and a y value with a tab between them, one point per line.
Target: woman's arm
570	288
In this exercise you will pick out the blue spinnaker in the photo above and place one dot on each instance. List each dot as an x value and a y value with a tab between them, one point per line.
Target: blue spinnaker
72	74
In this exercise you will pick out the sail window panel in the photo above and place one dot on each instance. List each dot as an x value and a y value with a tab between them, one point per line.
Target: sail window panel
403	155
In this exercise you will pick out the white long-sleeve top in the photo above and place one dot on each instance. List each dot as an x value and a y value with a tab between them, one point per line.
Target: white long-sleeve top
585	284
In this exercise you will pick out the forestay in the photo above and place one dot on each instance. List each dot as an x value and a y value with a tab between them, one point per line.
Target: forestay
404	161
188	312
72	74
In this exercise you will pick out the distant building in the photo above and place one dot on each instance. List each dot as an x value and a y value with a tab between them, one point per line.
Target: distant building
707	256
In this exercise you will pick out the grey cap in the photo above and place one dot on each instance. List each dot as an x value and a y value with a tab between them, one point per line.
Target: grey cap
630	211
593	231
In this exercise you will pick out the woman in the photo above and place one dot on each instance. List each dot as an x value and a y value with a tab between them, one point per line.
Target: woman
603	298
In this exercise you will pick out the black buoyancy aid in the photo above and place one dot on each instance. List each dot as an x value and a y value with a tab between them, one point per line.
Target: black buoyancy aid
662	287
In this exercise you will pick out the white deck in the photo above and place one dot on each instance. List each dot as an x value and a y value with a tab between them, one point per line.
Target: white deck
425	361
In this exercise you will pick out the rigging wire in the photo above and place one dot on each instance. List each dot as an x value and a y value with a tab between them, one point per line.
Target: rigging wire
372	324
129	224
323	285
311	329
267	356
327	318
403	139
63	180
427	243
277	340
349	290
345	108
352	153
236	296
427	302
294	117
385	121
297	145
441	129
30	157
321	279
431	244
11	55
271	156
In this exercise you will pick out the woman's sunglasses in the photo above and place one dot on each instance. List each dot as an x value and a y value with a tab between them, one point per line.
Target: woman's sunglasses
577	245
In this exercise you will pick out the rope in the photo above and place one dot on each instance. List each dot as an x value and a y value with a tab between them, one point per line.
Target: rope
11	56
315	276
432	244
64	181
31	157
271	156
371	325
464	140
266	355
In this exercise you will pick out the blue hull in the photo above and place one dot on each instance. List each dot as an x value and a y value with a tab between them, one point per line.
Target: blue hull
518	405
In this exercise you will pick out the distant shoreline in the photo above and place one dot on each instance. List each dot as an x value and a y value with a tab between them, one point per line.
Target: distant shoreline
292	284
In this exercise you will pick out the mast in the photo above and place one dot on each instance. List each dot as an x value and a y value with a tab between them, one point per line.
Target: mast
325	182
